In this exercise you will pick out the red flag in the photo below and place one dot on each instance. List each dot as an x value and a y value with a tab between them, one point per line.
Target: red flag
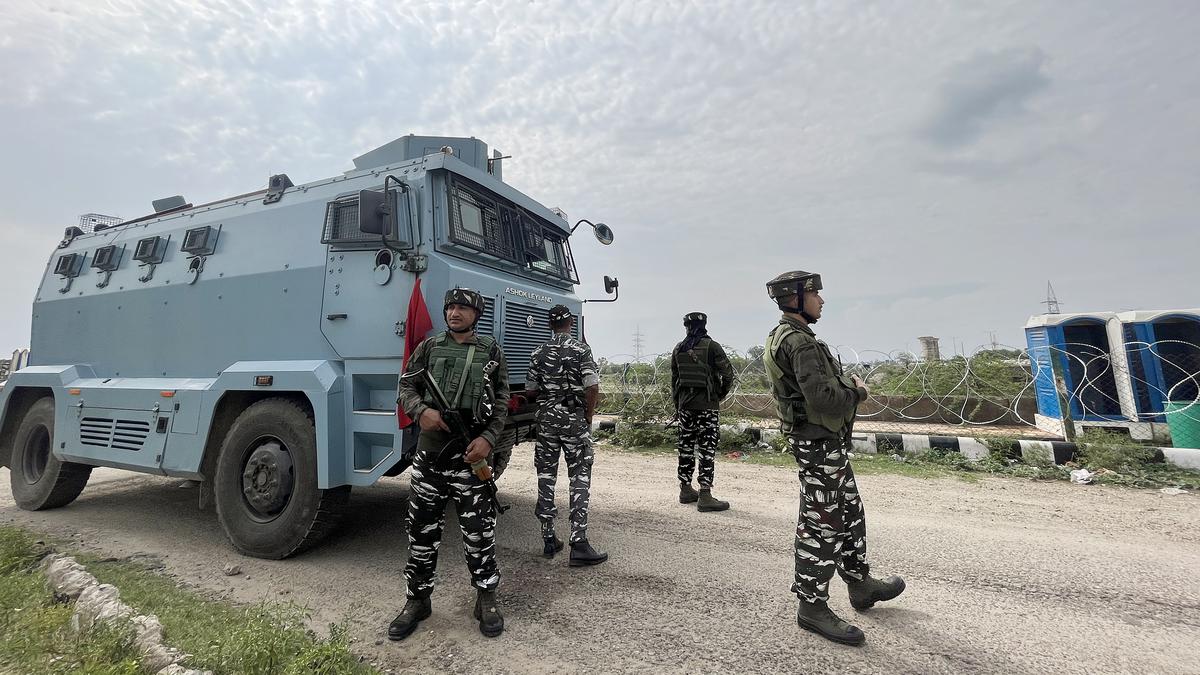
418	323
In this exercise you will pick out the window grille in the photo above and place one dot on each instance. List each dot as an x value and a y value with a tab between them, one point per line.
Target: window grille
341	222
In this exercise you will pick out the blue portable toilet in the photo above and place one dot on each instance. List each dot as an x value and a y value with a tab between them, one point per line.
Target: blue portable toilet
1121	369
1163	351
1082	344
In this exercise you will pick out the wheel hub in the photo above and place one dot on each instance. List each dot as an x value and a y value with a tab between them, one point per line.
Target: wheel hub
37	455
268	479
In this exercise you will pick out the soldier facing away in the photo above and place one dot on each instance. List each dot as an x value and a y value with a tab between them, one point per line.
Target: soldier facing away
817	405
459	361
701	378
564	380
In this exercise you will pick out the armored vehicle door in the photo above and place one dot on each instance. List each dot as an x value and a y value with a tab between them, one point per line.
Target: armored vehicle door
366	284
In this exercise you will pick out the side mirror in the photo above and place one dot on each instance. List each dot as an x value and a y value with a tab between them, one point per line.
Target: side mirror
374	213
604	234
610	287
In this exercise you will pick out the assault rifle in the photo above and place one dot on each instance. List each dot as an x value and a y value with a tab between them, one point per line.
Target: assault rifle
460	431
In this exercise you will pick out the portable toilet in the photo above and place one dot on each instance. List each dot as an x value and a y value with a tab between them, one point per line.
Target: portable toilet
1163	351
1082	345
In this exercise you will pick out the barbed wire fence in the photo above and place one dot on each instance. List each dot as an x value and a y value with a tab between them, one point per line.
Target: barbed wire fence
1148	392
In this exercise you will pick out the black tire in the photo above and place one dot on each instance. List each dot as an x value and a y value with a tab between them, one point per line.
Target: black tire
39	479
274	523
502	453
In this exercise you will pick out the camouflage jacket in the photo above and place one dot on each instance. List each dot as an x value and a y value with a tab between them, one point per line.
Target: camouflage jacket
811	392
720	372
411	395
561	370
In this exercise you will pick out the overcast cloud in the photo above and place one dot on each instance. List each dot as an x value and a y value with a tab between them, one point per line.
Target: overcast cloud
936	162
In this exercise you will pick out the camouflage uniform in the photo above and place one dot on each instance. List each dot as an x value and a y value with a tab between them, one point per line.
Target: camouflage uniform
817	403
697	402
438	477
560	371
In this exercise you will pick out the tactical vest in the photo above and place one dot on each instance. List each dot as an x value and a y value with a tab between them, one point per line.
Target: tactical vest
694	371
458	370
791	406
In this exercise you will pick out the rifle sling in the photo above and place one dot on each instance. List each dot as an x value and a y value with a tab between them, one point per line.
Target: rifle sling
462	380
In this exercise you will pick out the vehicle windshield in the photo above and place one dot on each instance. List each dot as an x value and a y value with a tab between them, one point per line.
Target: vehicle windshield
486	223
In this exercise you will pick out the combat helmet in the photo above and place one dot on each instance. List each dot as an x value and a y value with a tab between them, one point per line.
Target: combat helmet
558	314
792	283
467	297
695	317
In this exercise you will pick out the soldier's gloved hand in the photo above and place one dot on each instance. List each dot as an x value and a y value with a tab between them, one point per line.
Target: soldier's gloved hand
431	420
478	449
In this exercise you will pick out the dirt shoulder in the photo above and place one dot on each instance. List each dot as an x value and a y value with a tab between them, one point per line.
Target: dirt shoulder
1004	575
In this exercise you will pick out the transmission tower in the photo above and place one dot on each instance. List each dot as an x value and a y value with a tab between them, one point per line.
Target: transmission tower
1051	301
638	343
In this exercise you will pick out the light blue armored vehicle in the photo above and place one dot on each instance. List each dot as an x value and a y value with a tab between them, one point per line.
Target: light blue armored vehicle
253	343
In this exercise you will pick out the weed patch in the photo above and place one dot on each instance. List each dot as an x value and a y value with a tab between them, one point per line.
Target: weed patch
264	638
35	633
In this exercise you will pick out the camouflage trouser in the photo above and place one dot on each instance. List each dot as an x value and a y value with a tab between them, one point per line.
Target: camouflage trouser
832	529
699	431
431	488
577	448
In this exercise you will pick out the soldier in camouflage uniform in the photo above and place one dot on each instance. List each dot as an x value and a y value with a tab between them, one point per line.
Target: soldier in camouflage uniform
701	378
472	374
817	405
564	380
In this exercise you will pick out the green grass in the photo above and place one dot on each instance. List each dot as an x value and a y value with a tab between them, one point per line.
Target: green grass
35	635
263	638
267	638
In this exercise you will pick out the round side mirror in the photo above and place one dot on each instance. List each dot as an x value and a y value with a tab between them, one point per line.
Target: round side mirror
604	233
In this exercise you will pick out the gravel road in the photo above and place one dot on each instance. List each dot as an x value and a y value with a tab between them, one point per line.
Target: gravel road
1003	575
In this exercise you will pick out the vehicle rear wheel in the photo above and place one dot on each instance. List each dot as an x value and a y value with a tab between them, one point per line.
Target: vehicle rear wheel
39	479
266	489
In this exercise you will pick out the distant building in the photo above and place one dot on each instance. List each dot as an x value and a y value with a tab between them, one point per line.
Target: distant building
20	359
929	348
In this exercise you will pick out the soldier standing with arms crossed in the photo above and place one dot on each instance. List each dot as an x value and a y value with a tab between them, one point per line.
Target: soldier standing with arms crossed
701	378
817	405
564	380
459	362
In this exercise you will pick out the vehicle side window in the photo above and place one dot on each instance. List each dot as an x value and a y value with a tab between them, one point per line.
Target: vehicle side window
341	222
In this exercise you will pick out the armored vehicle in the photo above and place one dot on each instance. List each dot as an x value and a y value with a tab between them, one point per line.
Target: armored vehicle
253	344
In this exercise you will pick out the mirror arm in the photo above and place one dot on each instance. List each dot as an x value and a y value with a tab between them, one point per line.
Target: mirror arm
582	220
616	294
616	291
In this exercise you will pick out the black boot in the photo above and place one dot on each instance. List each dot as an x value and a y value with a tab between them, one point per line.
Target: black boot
415	611
864	594
551	546
583	554
818	618
687	494
707	502
491	621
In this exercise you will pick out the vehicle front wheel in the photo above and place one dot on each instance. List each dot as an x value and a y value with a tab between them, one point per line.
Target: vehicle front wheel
266	489
39	479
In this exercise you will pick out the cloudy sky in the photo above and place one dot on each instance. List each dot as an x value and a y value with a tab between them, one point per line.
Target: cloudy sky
936	162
